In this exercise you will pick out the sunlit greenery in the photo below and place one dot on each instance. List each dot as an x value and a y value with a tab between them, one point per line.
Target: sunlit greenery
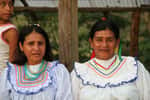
49	21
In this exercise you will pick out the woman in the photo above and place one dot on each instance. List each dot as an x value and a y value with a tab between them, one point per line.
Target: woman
109	76
34	76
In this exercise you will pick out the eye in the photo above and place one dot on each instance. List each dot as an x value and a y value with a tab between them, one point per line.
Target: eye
2	4
10	4
98	39
30	43
40	43
110	40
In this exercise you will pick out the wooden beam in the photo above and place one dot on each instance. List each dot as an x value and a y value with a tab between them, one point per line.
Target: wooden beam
85	9
113	9
134	32
45	9
33	15
68	30
24	3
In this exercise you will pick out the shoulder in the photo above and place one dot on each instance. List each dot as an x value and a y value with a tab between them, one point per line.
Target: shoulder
132	60
57	68
79	65
10	33
8	27
80	69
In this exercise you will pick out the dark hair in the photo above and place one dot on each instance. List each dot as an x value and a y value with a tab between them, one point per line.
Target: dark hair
13	1
103	24
20	58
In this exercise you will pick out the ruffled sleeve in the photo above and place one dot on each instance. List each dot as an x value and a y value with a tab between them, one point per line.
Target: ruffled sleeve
63	82
143	82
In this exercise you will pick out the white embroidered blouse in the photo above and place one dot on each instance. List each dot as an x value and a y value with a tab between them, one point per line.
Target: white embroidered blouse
53	84
110	80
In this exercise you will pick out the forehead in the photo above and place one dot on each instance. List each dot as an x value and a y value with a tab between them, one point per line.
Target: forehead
5	0
34	36
104	33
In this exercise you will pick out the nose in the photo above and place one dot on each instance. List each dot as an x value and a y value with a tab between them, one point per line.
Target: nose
104	43
36	47
7	7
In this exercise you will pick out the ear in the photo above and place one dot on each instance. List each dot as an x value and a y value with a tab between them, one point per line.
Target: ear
91	42
20	46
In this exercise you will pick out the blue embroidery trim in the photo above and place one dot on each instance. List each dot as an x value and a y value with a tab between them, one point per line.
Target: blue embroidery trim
109	84
27	93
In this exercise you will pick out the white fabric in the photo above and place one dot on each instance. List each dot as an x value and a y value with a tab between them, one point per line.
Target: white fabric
4	47
59	89
34	68
129	83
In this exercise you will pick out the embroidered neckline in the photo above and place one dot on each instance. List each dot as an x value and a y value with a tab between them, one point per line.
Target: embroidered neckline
124	75
108	72
105	68
25	86
23	81
32	76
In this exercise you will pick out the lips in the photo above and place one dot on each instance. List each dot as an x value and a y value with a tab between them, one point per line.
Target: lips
103	49
36	54
8	14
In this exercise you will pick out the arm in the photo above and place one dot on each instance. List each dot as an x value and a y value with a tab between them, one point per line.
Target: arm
11	36
64	91
143	82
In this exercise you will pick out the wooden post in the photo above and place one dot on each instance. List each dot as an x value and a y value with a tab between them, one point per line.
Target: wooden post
134	33
68	32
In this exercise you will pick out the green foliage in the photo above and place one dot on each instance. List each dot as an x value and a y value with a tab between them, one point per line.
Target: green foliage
49	21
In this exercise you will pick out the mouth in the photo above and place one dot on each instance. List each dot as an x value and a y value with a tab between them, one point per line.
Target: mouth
7	14
36	54
106	50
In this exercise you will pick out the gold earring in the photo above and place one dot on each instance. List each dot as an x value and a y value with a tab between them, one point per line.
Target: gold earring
116	50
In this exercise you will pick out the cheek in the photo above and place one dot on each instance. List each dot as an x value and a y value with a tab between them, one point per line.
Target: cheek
95	43
12	9
43	50
113	47
27	51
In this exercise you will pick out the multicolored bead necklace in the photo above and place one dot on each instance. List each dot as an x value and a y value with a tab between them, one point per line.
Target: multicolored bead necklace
32	76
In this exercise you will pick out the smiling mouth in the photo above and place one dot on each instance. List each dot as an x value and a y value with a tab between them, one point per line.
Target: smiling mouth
36	54
7	14
103	49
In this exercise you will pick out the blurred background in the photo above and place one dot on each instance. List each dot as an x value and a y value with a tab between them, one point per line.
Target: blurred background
45	13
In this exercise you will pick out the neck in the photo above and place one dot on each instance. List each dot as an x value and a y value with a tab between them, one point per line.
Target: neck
3	22
105	58
34	63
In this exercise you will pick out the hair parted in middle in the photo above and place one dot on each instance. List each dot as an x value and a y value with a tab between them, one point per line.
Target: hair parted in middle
20	58
102	24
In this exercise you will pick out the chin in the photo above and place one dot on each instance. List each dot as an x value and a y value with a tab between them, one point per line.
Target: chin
104	57
38	60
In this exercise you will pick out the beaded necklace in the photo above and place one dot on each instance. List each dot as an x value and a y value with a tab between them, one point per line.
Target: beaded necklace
32	76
